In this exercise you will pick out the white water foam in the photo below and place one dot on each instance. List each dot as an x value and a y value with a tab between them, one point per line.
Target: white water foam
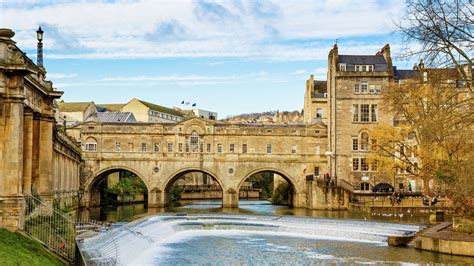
144	241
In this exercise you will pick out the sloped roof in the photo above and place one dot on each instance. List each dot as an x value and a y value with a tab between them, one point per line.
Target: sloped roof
116	117
401	74
161	109
377	60
113	107
74	106
362	59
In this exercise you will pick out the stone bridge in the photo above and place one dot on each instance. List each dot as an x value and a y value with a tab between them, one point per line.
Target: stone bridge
230	153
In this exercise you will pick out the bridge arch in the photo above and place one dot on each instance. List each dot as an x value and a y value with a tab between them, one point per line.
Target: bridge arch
286	176
172	178
295	191
95	177
92	188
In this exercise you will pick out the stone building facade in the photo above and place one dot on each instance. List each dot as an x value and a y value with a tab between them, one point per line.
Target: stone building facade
33	157
351	106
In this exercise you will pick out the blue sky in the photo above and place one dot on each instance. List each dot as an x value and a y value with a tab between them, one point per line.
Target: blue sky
232	56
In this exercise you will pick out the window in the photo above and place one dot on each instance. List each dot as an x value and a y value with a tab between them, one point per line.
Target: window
91	146
364	186
194	141
208	147
355	113
319	113
187	147
372	89
244	148
374	112
269	148
378	88
180	147
355	164
318	150
355	144
144	147
219	148
356	88
342	67
375	165
364	113
316	171
358	68
370	68
231	148
117	146
364	166
293	148
363	87
170	147
364	141
156	147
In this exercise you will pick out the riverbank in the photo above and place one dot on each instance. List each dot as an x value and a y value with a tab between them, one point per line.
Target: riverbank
441	238
16	249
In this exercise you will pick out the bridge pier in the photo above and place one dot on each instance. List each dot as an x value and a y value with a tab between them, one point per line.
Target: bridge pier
156	198
230	199
326	197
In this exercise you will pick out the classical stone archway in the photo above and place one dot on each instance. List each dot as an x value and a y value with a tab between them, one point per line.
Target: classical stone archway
294	190
92	191
214	192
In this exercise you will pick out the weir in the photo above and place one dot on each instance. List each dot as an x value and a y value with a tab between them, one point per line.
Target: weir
143	241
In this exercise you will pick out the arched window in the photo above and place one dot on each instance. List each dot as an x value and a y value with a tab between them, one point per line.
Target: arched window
91	144
194	141
364	141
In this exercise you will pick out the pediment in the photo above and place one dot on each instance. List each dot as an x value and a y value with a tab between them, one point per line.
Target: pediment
195	124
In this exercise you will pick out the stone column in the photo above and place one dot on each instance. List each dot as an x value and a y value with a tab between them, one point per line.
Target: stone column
27	151
45	156
11	177
35	158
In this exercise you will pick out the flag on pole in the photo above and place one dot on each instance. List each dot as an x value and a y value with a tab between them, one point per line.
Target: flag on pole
182	102
194	105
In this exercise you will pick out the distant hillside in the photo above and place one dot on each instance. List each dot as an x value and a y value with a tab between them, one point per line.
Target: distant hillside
272	117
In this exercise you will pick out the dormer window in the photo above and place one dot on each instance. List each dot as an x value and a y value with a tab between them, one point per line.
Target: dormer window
364	68
342	67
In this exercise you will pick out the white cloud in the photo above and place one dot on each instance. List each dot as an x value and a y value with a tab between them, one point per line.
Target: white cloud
61	75
135	29
190	78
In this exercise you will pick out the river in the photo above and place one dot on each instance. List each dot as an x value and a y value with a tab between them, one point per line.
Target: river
259	233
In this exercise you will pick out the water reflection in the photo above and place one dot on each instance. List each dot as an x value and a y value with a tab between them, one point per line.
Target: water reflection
255	207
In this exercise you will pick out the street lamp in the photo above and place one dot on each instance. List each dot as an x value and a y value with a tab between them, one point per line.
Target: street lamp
39	36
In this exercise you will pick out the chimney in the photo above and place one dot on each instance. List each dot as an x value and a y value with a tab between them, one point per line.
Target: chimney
421	65
388	58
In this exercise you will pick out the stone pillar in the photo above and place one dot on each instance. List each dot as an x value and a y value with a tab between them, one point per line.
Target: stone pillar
156	198
230	198
11	177
35	159
27	151
45	155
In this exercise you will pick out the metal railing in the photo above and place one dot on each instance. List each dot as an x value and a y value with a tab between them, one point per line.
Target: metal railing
50	227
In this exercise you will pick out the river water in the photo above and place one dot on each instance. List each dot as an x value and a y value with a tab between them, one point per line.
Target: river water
259	233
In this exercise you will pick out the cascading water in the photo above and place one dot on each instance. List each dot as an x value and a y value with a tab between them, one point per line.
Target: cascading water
171	239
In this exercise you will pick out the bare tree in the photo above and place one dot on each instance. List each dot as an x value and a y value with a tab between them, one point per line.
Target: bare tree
444	31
